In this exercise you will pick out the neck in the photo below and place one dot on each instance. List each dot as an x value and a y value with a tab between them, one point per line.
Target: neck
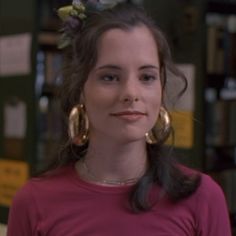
115	162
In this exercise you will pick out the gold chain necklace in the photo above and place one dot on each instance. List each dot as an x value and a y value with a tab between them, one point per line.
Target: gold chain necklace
110	182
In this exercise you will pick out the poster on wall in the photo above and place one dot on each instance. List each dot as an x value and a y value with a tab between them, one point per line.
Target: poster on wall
13	175
181	107
14	118
14	127
15	56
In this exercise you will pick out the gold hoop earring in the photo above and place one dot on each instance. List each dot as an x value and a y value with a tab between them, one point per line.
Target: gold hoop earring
78	125
161	130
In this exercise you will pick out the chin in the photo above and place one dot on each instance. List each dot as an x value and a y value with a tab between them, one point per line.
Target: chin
131	138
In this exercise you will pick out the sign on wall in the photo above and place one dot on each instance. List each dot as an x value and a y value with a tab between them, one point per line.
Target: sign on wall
13	175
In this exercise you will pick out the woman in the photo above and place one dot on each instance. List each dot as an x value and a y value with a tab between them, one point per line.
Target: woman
113	177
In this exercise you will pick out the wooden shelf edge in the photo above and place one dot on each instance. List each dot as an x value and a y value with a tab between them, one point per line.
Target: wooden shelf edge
48	38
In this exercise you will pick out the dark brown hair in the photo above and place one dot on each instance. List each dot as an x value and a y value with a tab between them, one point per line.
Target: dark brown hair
81	57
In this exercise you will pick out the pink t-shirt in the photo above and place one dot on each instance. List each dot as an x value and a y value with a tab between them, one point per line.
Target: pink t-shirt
65	205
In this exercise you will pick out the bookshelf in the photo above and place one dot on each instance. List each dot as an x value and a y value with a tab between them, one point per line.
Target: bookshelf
220	98
49	126
17	152
49	121
36	89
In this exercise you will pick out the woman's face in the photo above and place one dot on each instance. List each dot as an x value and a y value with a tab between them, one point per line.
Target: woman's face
122	94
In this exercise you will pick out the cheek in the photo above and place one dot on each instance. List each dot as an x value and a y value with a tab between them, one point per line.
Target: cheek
155	104
98	104
155	94
155	111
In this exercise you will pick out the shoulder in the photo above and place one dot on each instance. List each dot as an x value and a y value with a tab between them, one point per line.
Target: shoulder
208	195
22	211
207	185
208	204
209	188
23	195
211	207
38	187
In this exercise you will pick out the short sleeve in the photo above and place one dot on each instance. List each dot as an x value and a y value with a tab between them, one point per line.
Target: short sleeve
212	211
23	216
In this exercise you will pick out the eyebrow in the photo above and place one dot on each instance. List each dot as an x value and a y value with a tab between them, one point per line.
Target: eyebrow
111	66
149	67
108	66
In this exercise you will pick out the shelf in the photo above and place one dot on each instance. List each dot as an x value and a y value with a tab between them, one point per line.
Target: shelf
48	41
215	80
48	38
228	94
221	7
50	90
220	147
220	158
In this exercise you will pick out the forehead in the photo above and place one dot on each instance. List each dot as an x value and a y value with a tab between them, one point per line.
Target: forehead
137	42
138	34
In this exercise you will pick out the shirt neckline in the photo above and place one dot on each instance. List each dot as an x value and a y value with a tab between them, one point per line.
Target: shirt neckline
93	187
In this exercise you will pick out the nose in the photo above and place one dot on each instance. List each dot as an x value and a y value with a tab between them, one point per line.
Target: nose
130	91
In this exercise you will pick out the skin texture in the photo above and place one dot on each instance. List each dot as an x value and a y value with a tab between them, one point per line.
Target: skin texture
122	97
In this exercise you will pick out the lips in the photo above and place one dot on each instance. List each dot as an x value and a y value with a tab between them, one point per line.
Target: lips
129	115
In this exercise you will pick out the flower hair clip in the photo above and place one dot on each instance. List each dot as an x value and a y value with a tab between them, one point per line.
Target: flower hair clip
73	16
77	9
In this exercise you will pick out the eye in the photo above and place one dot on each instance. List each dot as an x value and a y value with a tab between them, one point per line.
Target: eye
109	78
148	78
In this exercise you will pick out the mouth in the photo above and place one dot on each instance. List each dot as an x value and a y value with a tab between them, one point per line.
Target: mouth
129	115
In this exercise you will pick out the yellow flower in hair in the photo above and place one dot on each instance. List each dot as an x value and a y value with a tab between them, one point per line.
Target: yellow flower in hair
64	12
76	9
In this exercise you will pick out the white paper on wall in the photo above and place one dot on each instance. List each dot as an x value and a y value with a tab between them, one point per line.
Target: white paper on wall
15	54
174	85
15	120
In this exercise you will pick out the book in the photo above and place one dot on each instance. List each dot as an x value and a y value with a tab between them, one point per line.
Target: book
217	123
